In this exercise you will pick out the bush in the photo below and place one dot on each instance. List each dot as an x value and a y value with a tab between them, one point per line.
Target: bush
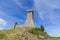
42	28
34	31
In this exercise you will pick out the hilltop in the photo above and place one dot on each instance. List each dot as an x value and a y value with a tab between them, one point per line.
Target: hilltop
25	34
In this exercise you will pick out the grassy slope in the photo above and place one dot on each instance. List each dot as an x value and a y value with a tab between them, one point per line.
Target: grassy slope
15	34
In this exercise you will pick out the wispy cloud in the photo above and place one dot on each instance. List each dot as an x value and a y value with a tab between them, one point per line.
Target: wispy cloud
3	23
49	10
20	3
53	30
45	9
8	20
1	28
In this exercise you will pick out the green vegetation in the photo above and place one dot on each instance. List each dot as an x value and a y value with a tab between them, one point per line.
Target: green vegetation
34	31
37	31
2	35
16	34
42	28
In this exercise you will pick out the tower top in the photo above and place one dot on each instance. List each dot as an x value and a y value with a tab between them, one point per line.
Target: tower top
30	10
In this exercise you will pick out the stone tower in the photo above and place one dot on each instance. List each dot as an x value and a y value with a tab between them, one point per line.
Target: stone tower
30	17
29	20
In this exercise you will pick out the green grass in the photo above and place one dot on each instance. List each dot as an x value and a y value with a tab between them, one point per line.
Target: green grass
15	34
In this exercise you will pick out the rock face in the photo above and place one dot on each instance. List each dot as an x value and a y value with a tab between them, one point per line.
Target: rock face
26	36
41	36
29	20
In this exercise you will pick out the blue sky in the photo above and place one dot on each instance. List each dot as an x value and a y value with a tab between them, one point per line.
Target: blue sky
46	12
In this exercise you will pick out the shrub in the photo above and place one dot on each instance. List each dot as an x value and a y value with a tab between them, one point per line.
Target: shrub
34	31
42	28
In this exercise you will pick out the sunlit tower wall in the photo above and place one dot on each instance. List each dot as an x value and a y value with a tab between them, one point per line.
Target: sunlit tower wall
30	19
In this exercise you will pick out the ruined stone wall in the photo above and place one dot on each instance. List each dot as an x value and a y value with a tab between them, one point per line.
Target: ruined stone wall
29	20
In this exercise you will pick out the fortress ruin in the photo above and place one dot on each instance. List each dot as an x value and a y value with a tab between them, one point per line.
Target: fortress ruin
29	20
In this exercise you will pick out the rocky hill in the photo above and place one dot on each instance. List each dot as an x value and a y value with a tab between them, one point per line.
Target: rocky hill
25	34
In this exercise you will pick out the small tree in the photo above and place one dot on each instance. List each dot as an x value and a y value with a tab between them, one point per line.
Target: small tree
42	28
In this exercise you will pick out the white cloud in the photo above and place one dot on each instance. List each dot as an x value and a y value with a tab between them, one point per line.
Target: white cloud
1	28
53	30
3	22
